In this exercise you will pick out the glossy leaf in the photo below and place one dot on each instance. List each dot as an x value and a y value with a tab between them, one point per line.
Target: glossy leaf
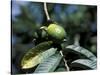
37	54
50	64
60	69
83	51
38	58
84	63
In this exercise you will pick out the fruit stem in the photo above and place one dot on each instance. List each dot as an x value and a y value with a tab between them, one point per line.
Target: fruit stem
67	68
46	12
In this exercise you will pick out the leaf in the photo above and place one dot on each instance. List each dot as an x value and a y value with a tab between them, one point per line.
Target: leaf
50	64
83	51
60	69
37	54
84	63
33	61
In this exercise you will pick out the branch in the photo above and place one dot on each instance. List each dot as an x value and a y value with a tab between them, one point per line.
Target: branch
64	61
76	39
46	12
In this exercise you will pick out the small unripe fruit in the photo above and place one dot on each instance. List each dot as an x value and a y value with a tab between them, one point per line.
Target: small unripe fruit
56	32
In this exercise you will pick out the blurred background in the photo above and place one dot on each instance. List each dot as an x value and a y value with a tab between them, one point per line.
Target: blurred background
28	17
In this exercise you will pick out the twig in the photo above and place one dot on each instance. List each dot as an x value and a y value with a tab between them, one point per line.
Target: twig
46	12
76	39
64	61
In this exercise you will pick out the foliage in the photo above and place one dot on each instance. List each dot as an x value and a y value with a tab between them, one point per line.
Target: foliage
28	17
37	55
50	64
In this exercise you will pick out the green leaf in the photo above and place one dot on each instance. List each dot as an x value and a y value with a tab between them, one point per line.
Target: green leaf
84	63
60	69
37	54
50	64
33	61
81	50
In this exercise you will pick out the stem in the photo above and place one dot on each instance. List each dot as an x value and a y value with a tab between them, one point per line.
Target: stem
67	68
76	39
46	12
